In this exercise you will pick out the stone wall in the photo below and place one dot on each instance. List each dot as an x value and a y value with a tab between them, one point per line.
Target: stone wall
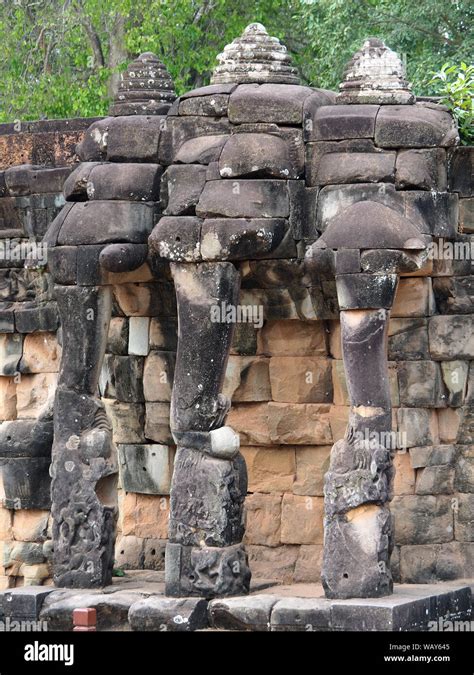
286	379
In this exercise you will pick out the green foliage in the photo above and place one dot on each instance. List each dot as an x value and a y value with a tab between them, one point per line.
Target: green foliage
456	88
61	58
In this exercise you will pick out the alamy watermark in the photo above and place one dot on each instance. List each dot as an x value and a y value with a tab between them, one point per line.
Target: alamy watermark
16	250
228	313
9	625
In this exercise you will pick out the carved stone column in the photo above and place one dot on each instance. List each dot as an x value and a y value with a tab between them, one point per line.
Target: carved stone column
358	529
84	468
205	556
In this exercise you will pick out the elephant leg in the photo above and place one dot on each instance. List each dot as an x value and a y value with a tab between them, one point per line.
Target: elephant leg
357	538
84	467
205	556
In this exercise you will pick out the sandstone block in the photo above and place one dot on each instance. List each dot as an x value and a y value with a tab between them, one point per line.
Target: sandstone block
302	520
34	392
414	297
30	525
451	337
269	469
247	379
263	519
300	379
145	516
311	466
292	338
273	562
422	519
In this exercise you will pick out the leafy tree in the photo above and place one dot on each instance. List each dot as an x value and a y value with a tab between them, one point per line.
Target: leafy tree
62	58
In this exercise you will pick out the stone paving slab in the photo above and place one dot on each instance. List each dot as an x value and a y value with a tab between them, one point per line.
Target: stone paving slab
137	602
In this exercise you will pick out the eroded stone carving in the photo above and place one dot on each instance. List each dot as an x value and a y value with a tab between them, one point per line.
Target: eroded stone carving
99	236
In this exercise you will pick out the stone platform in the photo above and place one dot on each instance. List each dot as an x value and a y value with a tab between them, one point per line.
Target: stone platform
137	602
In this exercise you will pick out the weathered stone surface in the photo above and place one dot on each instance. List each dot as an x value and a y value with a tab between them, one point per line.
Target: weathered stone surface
93	146
276	563
154	554
246	614
244	198
247	379
422	169
112	609
200	150
145	88
129	553
11	351
414	126
463	520
355	167
301	520
145	516
206	571
454	295
432	456
300	379
464	477
181	188
414	297
177	238
212	105
365	291
421	384
422	519
145	469
301	614
121	378
30	525
163	334
460	171
259	155
431	563
269	470
433	212
416	426
132	182
213	515
158	376
145	299
134	138
41	353
435	480
107	221
404	479
455	377
375	74
283	423
366	530
277	103
339	122
292	338
157	423
311	465
451	337
34	394
466	216
408	339
254	57
178	130
167	614
263	519
239	238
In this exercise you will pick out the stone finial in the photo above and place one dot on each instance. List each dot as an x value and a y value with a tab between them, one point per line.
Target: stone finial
255	56
375	74
146	88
